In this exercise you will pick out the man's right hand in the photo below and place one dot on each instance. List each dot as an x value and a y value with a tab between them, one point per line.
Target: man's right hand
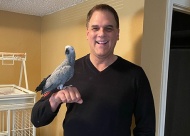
69	94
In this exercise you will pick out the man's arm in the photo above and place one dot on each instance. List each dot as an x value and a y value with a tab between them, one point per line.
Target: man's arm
42	113
144	110
45	110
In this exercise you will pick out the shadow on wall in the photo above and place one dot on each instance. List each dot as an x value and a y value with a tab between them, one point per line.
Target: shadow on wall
135	37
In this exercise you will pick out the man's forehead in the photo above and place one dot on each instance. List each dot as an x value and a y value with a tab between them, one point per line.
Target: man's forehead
102	18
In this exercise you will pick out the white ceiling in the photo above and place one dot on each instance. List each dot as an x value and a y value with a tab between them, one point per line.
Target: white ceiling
37	7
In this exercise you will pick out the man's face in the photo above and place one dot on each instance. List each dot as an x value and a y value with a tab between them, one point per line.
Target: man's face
102	34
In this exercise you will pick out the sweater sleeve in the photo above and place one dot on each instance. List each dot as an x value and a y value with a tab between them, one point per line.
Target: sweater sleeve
144	109
41	112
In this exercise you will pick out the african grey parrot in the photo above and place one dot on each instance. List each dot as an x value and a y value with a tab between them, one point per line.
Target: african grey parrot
61	74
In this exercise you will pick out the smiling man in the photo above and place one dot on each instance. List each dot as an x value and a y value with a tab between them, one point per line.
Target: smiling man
102	34
106	90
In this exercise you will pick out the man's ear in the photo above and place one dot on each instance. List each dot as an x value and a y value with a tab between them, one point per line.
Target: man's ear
118	34
87	32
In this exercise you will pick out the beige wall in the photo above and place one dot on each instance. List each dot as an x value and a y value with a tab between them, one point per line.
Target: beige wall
20	33
153	47
68	27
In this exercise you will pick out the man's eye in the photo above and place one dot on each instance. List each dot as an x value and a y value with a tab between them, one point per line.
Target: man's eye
94	28
109	29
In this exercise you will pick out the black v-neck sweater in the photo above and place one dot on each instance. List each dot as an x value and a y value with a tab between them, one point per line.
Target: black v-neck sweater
110	98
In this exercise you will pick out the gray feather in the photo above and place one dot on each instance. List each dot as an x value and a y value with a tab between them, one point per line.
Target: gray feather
62	73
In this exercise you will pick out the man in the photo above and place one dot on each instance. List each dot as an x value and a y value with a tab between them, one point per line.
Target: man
107	90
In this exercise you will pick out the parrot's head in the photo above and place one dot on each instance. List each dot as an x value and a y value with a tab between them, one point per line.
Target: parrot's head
70	53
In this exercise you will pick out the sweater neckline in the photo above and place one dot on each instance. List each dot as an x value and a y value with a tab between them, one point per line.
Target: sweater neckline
94	69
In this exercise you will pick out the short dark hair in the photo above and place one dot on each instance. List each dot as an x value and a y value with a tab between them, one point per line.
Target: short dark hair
103	7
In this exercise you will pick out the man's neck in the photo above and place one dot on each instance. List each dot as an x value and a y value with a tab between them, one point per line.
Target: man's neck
102	63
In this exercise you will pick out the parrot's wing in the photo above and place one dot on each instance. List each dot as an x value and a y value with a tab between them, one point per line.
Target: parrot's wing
58	77
64	63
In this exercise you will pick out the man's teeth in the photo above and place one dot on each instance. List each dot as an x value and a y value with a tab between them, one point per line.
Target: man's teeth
104	42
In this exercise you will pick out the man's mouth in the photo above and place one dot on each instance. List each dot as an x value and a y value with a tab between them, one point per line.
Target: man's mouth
101	42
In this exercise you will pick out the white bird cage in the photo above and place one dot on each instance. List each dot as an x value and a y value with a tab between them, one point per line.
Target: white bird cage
16	102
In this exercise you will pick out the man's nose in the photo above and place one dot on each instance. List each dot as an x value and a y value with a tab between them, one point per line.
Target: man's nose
101	32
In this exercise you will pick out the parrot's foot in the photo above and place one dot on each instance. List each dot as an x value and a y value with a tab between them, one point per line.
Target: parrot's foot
60	87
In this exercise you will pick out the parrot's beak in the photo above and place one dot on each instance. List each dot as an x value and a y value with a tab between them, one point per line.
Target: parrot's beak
66	51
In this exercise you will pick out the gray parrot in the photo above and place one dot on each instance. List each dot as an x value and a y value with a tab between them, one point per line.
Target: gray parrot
61	74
